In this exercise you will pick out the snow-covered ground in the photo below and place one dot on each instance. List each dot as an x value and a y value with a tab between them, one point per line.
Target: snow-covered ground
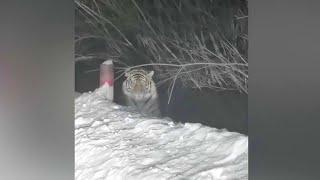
114	142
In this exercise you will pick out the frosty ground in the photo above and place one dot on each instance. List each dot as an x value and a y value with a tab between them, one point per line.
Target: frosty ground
115	142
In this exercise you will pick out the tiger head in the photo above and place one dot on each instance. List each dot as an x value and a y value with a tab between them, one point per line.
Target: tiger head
138	84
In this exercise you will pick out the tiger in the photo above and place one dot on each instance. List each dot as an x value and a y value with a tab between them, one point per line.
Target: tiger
140	92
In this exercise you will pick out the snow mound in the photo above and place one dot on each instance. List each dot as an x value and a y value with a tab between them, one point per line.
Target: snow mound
114	142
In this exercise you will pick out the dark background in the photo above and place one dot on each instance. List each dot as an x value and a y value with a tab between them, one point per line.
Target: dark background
37	85
219	109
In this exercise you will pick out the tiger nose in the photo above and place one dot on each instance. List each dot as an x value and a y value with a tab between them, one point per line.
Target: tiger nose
138	88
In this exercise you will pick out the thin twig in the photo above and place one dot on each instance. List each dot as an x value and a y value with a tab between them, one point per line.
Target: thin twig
173	84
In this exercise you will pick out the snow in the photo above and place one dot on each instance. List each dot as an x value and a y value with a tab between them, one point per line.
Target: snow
108	62
114	142
76	94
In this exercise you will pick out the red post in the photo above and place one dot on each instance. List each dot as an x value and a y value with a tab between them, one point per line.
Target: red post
107	78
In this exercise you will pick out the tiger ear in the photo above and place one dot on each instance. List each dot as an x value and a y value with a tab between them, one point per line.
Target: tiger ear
126	73
150	74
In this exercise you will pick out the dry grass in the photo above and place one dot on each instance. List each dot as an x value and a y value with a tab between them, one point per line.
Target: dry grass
200	43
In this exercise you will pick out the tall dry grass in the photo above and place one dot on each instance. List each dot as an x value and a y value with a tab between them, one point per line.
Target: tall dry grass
200	43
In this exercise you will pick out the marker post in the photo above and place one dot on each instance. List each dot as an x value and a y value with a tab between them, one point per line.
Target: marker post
107	78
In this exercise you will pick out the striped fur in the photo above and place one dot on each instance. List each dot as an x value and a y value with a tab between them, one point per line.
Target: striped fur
140	92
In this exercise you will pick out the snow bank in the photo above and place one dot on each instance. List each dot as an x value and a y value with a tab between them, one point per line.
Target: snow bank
116	143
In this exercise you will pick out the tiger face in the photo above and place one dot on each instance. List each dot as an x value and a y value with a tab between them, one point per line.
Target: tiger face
138	84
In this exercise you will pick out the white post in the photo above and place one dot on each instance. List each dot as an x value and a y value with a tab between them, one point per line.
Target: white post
107	78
